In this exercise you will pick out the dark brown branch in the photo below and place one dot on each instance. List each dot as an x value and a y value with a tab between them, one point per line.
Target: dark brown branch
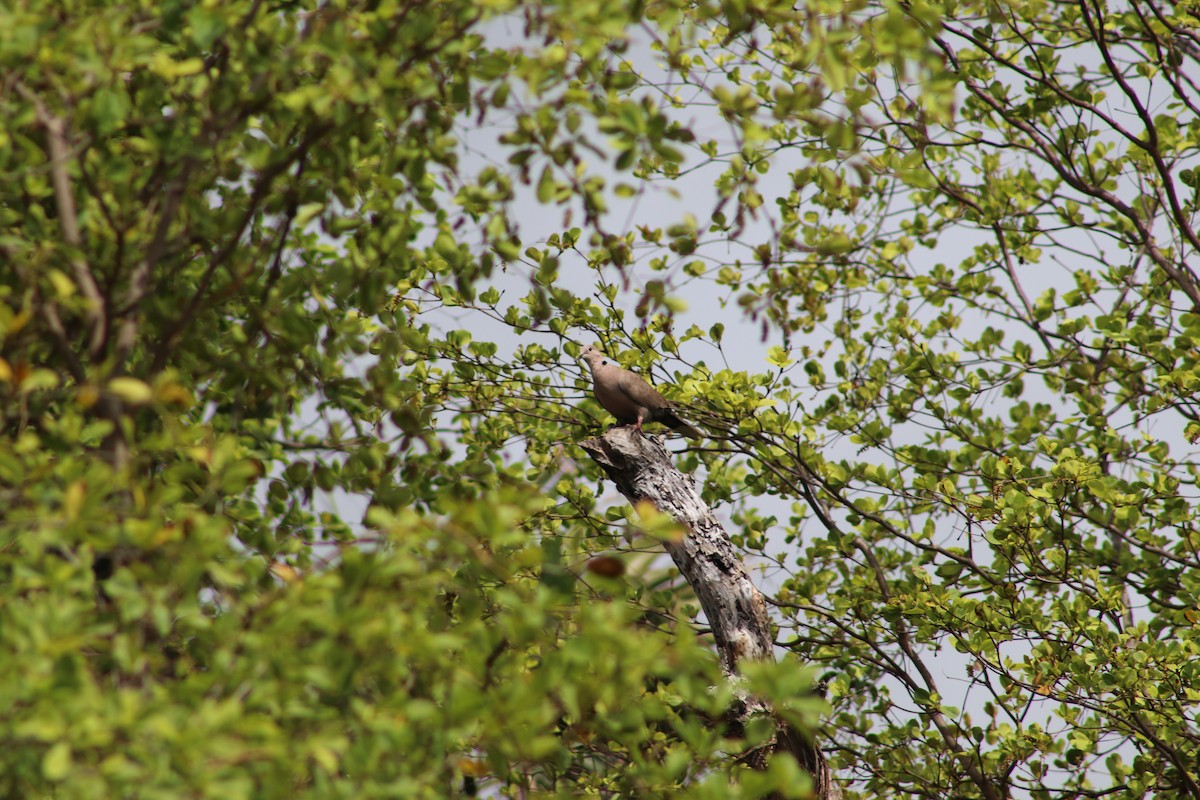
139	282
262	188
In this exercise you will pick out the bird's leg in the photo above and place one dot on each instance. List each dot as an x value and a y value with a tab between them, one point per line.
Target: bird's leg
639	424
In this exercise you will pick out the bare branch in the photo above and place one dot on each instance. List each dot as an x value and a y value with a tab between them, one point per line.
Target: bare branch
642	469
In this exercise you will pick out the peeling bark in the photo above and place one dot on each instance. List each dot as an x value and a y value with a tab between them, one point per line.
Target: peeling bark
642	469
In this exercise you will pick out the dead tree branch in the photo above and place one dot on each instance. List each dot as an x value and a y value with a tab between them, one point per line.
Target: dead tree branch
642	469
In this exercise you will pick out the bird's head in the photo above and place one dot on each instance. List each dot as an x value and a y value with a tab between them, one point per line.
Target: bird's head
594	357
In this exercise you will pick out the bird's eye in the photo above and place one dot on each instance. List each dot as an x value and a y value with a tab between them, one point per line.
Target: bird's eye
604	362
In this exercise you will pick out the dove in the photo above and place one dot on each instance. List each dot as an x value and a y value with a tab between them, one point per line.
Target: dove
628	397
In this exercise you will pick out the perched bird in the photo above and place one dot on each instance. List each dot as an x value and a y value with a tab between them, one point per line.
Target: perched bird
628	397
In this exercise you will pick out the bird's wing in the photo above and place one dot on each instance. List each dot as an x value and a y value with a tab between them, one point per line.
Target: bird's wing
640	393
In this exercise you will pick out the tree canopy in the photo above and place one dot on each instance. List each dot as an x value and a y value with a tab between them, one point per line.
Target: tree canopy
293	501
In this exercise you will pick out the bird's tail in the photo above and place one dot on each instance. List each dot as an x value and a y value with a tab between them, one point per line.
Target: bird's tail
675	423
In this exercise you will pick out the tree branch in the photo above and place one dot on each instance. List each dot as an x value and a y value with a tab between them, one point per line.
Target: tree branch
59	150
641	468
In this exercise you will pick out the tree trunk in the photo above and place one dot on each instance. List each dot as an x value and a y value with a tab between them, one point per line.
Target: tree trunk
642	469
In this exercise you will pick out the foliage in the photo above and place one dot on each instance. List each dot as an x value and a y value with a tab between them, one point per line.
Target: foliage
286	510
997	236
239	557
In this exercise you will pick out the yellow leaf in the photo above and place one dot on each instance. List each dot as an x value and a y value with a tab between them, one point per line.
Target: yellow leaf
326	757
173	394
131	390
284	572
647	512
64	287
168	68
474	767
87	396
73	500
19	321
34	380
6	372
168	533
677	305
657	524
56	764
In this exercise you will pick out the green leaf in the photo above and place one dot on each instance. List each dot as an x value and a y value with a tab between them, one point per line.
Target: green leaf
547	186
56	764
307	213
779	357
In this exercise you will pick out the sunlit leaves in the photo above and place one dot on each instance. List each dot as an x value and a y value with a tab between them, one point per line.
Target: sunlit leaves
242	556
307	486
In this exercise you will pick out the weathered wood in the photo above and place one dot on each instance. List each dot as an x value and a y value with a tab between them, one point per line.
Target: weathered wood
642	469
